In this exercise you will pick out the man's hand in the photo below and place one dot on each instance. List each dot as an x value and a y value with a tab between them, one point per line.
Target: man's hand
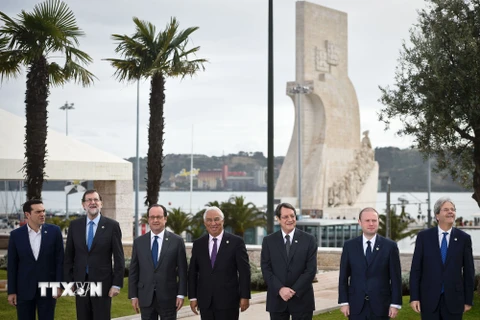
194	306
345	310
415	306
113	292
179	303
467	307
135	305
393	312
286	293
244	304
12	299
59	293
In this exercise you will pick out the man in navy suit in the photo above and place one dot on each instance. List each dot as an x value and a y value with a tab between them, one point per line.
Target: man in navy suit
157	282
370	279
35	254
289	265
93	242
442	273
219	271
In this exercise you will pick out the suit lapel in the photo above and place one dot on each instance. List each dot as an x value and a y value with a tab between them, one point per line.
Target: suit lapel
164	249
280	243
83	232
100	230
436	245
223	247
296	241
45	236
146	242
375	249
452	246
25	238
359	245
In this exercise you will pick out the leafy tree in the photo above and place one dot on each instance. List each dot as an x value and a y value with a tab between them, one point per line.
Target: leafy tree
399	225
178	221
153	56
437	88
242	215
32	40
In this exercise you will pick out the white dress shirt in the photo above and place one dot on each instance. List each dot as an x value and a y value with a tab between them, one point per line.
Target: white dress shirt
440	236
210	242
159	240
35	240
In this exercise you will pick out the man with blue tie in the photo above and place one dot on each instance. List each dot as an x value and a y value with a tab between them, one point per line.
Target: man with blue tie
157	282
93	242
35	254
442	272
370	278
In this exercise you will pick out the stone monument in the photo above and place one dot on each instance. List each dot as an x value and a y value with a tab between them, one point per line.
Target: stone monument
339	175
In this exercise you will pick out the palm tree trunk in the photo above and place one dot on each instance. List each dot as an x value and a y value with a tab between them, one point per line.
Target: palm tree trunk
36	127
476	172
155	139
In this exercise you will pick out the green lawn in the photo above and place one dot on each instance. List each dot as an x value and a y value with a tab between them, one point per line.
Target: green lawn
406	313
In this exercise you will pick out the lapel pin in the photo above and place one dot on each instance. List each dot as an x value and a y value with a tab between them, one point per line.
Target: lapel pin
228	242
103	227
453	239
296	241
166	239
46	232
378	248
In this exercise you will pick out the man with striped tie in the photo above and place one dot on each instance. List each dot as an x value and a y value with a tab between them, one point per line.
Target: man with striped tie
157	282
442	273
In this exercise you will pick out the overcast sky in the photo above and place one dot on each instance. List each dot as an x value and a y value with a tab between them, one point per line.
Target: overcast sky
226	104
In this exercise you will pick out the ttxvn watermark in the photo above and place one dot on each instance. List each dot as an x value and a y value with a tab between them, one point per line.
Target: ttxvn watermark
72	289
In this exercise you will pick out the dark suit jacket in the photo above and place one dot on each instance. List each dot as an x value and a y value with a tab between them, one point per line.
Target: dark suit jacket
295	272
24	272
168	279
227	281
381	280
106	242
428	271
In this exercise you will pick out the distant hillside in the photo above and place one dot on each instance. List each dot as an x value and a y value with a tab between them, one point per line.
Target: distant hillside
406	168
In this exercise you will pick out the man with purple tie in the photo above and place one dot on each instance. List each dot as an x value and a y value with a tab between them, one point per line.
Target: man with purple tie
219	271
442	273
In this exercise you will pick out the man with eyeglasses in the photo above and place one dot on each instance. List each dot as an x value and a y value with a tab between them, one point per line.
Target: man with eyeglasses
219	271
92	241
157	281
442	272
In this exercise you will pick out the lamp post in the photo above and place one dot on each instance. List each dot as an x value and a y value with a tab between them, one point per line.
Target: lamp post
429	183
387	233
66	107
298	90
137	161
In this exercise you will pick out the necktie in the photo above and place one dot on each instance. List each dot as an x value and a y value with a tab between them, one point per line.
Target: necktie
368	252
444	247
214	251
90	235
287	244
155	251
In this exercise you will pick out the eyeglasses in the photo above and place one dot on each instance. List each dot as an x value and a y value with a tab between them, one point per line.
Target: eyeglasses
449	209
92	200
216	220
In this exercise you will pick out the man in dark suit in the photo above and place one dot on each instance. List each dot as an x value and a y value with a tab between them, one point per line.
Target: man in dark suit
91	242
35	254
157	282
219	271
442	273
289	265
370	280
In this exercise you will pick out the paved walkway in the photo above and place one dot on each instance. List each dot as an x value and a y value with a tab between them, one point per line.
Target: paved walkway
326	297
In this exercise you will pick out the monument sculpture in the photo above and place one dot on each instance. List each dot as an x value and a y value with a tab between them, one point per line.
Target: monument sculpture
338	173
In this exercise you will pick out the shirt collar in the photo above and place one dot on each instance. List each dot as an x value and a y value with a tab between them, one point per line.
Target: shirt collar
291	233
220	236
95	221
160	235
372	241
441	231
31	230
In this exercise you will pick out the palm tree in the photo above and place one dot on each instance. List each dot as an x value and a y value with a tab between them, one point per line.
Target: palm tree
153	56
242	216
31	40
178	221
399	226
